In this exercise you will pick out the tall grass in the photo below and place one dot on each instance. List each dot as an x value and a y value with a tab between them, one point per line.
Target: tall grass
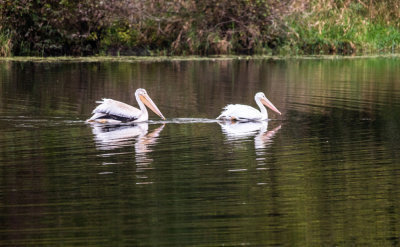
5	44
344	27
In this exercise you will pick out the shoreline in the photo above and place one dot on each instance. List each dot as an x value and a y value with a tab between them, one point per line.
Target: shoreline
187	58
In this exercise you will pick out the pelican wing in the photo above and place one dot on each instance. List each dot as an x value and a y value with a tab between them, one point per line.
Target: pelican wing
116	108
240	113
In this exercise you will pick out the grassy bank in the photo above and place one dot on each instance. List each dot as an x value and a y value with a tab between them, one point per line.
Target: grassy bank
189	27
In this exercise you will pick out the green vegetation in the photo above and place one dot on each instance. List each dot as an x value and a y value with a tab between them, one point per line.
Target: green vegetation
189	27
344	27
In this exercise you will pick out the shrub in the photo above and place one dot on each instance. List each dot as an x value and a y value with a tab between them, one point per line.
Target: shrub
52	27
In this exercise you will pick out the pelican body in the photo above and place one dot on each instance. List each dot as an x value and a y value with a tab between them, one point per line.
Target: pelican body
113	111
245	113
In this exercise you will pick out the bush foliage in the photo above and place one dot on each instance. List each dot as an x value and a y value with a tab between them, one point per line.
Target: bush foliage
44	27
168	27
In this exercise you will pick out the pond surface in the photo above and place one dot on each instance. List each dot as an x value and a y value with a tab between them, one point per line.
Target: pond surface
325	173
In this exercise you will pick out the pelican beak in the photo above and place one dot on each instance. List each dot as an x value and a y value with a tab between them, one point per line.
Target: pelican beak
268	104
150	104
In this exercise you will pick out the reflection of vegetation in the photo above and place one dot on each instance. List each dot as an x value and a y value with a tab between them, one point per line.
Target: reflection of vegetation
315	83
198	27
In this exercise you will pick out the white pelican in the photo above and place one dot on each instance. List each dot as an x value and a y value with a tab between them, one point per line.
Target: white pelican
245	113
112	111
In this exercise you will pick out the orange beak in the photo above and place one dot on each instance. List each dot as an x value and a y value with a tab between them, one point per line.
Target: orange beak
268	104
150	104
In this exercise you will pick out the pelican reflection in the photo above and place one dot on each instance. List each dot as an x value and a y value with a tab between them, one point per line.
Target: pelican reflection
240	130
264	138
113	137
236	131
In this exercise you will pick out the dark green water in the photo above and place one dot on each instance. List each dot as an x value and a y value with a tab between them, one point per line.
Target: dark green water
325	173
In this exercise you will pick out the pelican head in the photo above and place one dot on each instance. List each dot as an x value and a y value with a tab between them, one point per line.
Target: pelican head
142	95
260	97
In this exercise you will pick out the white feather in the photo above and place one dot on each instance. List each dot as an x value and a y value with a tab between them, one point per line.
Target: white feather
117	108
96	116
240	113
